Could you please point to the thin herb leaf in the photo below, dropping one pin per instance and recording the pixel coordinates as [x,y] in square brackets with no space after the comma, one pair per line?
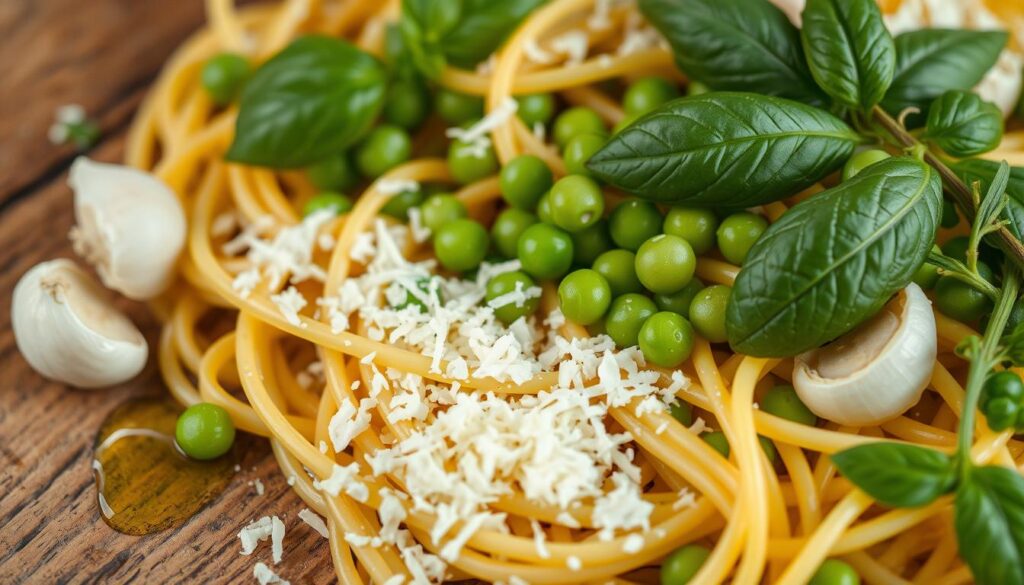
[990,206]
[902,476]
[989,519]
[984,171]
[962,124]
[850,52]
[1014,344]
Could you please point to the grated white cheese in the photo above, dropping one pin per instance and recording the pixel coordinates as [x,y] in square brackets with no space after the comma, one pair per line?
[344,478]
[687,499]
[276,539]
[476,135]
[253,533]
[633,544]
[265,576]
[259,486]
[540,540]
[395,580]
[290,302]
[574,44]
[574,563]
[349,422]
[314,521]
[396,186]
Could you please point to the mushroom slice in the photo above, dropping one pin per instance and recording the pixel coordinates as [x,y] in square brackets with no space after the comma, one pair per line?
[875,372]
[69,330]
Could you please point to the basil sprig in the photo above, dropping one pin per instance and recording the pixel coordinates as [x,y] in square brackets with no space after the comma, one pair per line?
[984,172]
[725,148]
[835,259]
[461,32]
[962,124]
[989,520]
[313,99]
[735,45]
[849,50]
[898,475]
[930,62]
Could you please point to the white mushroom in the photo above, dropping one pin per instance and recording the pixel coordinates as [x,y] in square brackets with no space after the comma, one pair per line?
[875,372]
[130,227]
[68,329]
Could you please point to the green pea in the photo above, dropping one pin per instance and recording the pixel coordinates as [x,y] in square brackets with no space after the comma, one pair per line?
[718,442]
[468,163]
[575,121]
[679,302]
[524,180]
[204,431]
[458,108]
[682,412]
[782,401]
[584,296]
[647,94]
[961,301]
[618,267]
[411,300]
[696,226]
[624,123]
[508,226]
[461,245]
[738,233]
[707,312]
[508,282]
[666,339]
[634,222]
[223,76]
[407,104]
[665,264]
[577,202]
[697,88]
[544,209]
[680,566]
[383,149]
[626,316]
[441,209]
[861,161]
[578,151]
[1005,384]
[545,251]
[399,205]
[536,108]
[589,243]
[336,202]
[835,572]
[1001,413]
[950,219]
[334,174]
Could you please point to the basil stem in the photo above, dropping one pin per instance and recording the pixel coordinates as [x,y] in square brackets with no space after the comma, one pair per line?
[983,362]
[957,189]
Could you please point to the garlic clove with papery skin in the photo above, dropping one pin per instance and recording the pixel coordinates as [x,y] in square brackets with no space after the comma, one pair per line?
[67,328]
[875,372]
[130,227]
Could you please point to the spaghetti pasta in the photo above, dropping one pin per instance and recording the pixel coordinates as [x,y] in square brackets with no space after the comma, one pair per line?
[763,520]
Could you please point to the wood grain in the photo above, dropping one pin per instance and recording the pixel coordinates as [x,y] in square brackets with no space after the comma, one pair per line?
[101,54]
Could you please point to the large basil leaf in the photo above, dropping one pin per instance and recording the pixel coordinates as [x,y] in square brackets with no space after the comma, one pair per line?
[984,171]
[931,61]
[989,519]
[463,32]
[834,260]
[851,53]
[736,45]
[901,476]
[963,124]
[725,149]
[313,99]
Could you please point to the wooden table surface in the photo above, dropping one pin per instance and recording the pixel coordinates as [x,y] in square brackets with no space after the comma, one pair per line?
[102,54]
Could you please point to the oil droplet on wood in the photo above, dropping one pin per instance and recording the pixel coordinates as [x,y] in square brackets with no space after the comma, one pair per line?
[144,483]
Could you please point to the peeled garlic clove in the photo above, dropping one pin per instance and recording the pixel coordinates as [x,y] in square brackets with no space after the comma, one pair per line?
[130,227]
[875,372]
[68,329]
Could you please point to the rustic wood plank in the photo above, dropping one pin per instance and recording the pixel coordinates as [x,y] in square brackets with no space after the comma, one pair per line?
[102,54]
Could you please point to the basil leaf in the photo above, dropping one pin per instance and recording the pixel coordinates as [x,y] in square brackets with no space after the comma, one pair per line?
[901,476]
[725,149]
[735,45]
[834,260]
[849,50]
[963,124]
[932,61]
[313,99]
[984,171]
[435,18]
[989,519]
[484,26]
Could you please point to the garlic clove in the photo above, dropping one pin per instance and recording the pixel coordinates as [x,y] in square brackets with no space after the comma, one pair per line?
[130,227]
[875,372]
[68,329]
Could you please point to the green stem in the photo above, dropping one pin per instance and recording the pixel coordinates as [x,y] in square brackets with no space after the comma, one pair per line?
[982,363]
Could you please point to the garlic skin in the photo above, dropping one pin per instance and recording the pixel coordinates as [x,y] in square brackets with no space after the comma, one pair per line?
[875,372]
[68,329]
[130,227]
